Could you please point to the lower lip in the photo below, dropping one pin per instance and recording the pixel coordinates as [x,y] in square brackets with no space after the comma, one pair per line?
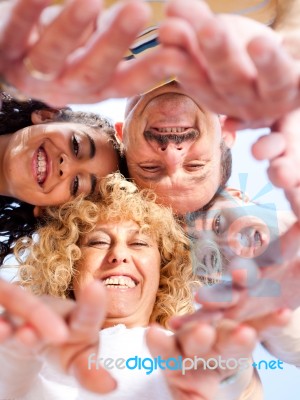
[119,288]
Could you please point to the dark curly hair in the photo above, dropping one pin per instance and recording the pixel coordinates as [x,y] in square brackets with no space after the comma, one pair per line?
[16,217]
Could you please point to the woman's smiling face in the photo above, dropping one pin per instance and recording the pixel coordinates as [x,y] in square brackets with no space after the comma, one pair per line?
[46,164]
[128,262]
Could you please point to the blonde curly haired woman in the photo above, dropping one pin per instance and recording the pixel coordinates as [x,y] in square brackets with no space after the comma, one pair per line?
[142,256]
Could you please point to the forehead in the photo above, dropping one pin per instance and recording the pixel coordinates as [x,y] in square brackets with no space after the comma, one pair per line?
[117,225]
[65,128]
[125,228]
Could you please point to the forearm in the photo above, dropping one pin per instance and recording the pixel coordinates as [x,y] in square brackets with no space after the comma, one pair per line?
[284,343]
[17,372]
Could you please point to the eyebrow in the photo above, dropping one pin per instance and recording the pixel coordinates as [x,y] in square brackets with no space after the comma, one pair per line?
[150,178]
[93,183]
[92,145]
[196,215]
[191,180]
[106,231]
[199,178]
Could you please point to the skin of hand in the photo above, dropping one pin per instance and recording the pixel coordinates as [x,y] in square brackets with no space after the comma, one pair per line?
[281,149]
[256,82]
[79,334]
[228,340]
[28,310]
[259,287]
[81,72]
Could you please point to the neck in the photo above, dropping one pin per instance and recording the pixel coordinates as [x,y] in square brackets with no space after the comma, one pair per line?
[127,321]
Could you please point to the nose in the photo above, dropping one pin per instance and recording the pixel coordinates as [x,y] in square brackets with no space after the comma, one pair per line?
[68,166]
[118,255]
[180,147]
[173,153]
[241,244]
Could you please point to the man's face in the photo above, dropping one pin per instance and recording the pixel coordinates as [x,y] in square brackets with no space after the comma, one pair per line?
[173,145]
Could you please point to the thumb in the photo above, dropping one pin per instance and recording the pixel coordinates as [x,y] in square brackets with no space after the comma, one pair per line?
[85,323]
[160,343]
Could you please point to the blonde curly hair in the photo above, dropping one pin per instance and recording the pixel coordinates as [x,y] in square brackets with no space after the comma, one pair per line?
[49,261]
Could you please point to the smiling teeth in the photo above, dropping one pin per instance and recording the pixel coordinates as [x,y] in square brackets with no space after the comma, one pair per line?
[119,281]
[171,130]
[41,165]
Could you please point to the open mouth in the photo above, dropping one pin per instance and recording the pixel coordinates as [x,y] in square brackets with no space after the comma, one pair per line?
[120,282]
[257,239]
[173,129]
[41,165]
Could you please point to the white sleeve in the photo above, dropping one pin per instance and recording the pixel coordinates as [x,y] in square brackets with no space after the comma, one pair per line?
[17,372]
[284,343]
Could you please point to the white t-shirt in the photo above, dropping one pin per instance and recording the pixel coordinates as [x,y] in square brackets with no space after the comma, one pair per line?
[115,343]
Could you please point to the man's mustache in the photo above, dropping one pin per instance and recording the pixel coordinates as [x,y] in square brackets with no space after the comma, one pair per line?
[165,139]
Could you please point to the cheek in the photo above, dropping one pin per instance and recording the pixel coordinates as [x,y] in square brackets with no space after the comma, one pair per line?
[109,162]
[149,263]
[87,270]
[153,268]
[57,196]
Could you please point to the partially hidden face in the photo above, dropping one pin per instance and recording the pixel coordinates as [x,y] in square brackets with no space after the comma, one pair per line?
[238,226]
[128,262]
[47,164]
[173,145]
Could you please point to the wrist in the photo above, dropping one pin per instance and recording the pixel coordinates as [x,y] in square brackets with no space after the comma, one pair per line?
[233,386]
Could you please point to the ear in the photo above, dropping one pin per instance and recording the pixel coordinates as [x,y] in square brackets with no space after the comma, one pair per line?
[119,130]
[237,194]
[43,116]
[229,136]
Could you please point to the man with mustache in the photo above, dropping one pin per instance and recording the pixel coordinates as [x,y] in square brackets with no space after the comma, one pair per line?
[176,146]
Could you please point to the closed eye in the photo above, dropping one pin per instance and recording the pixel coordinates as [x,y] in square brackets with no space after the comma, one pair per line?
[150,168]
[139,244]
[193,167]
[75,145]
[97,243]
[75,186]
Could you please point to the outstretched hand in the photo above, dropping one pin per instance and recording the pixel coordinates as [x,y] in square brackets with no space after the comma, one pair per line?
[28,311]
[238,67]
[61,331]
[281,148]
[77,59]
[199,340]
